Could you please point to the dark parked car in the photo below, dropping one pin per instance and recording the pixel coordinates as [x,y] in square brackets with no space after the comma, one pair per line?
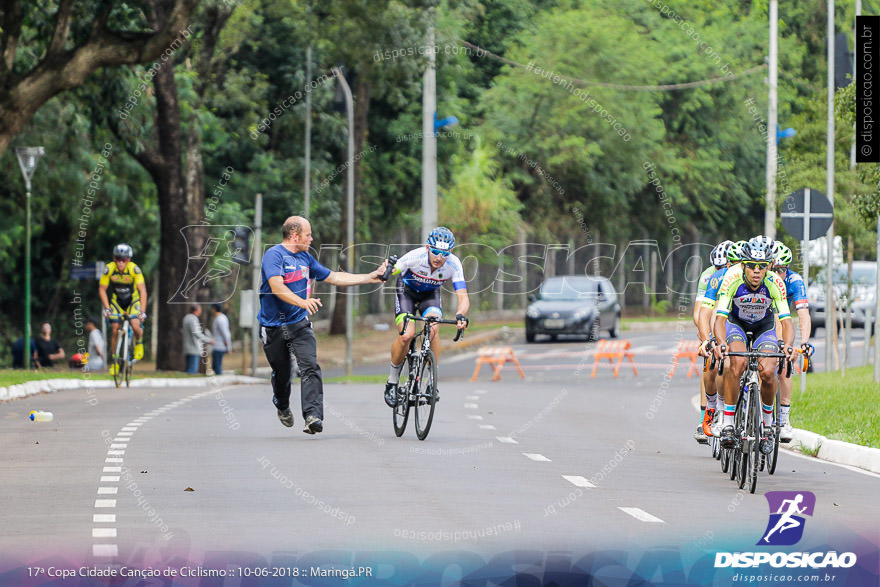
[573,304]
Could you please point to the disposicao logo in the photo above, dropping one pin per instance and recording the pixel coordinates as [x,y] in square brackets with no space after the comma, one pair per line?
[786,524]
[785,528]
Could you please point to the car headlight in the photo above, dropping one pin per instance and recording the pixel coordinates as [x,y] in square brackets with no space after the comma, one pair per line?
[533,312]
[582,314]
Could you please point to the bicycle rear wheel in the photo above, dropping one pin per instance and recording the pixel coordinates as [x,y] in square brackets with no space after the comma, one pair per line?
[426,396]
[401,410]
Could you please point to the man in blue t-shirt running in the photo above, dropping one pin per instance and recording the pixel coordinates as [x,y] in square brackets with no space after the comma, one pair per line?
[285,307]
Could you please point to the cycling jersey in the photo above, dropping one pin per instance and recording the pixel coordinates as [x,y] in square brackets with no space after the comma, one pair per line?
[122,290]
[296,269]
[711,294]
[703,283]
[795,290]
[737,300]
[419,276]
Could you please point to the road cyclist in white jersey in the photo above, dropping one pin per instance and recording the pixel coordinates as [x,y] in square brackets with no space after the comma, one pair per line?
[718,258]
[422,272]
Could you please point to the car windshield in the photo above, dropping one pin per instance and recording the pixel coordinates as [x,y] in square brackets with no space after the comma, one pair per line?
[569,288]
[861,275]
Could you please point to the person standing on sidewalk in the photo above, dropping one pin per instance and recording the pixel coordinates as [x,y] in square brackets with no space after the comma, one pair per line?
[194,338]
[285,328]
[222,339]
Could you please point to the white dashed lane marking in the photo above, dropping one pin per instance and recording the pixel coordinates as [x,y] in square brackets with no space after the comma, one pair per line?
[641,515]
[536,457]
[578,481]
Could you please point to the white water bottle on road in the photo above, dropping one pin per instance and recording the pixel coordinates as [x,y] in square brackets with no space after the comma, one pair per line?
[41,416]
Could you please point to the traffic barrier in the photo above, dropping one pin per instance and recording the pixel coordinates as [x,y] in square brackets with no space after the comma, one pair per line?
[613,350]
[688,349]
[496,357]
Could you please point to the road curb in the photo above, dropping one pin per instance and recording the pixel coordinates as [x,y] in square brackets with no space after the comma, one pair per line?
[837,451]
[51,385]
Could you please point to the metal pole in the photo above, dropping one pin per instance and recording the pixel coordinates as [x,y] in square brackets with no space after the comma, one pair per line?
[307,188]
[349,229]
[770,210]
[429,141]
[805,260]
[829,190]
[255,283]
[27,281]
[877,312]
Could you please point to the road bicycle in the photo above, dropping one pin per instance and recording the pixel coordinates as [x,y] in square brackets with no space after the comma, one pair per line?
[124,357]
[419,390]
[756,445]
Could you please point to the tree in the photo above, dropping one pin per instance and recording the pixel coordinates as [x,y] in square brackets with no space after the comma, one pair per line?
[82,40]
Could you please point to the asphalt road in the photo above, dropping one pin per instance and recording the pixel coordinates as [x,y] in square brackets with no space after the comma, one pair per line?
[555,462]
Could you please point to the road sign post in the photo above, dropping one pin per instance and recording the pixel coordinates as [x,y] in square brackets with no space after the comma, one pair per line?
[806,215]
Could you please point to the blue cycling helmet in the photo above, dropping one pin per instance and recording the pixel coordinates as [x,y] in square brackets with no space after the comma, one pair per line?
[441,238]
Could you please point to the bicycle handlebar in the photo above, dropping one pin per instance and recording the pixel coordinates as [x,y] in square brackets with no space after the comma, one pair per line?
[758,355]
[433,320]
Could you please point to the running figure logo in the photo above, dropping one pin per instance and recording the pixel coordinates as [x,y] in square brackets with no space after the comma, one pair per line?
[786,525]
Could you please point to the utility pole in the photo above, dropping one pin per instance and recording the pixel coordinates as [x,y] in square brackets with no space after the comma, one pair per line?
[770,210]
[307,188]
[349,229]
[429,140]
[255,284]
[28,157]
[829,191]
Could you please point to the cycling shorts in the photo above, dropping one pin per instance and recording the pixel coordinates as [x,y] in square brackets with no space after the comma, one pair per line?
[763,333]
[408,301]
[120,307]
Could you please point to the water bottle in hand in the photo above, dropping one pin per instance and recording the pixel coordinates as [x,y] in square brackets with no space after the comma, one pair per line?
[392,261]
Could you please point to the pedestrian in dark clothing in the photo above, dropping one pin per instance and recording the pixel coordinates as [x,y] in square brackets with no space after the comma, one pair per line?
[285,307]
[48,349]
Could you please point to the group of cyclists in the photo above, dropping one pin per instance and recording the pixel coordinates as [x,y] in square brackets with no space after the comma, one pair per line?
[747,291]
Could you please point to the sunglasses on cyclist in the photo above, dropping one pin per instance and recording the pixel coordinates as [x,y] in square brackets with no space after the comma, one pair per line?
[439,253]
[756,266]
[121,258]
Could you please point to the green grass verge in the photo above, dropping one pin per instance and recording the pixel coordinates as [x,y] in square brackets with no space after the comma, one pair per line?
[15,376]
[839,408]
[377,379]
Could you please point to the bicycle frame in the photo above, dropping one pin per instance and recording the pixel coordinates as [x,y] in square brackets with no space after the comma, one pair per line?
[420,388]
[749,422]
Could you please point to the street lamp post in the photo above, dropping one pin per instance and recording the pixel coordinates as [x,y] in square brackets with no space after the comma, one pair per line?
[28,157]
[349,188]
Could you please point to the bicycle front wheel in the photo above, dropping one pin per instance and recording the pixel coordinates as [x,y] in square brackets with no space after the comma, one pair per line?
[755,432]
[401,410]
[426,396]
[773,457]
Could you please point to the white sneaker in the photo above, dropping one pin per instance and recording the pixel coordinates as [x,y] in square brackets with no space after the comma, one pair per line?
[786,432]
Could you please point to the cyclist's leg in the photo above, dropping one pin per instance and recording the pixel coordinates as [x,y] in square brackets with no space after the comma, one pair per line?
[403,305]
[135,309]
[766,342]
[736,342]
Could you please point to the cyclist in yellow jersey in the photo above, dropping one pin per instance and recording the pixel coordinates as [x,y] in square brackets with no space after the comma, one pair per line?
[123,291]
[747,299]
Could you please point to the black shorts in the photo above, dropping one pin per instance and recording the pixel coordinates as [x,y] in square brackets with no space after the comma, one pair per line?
[408,301]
